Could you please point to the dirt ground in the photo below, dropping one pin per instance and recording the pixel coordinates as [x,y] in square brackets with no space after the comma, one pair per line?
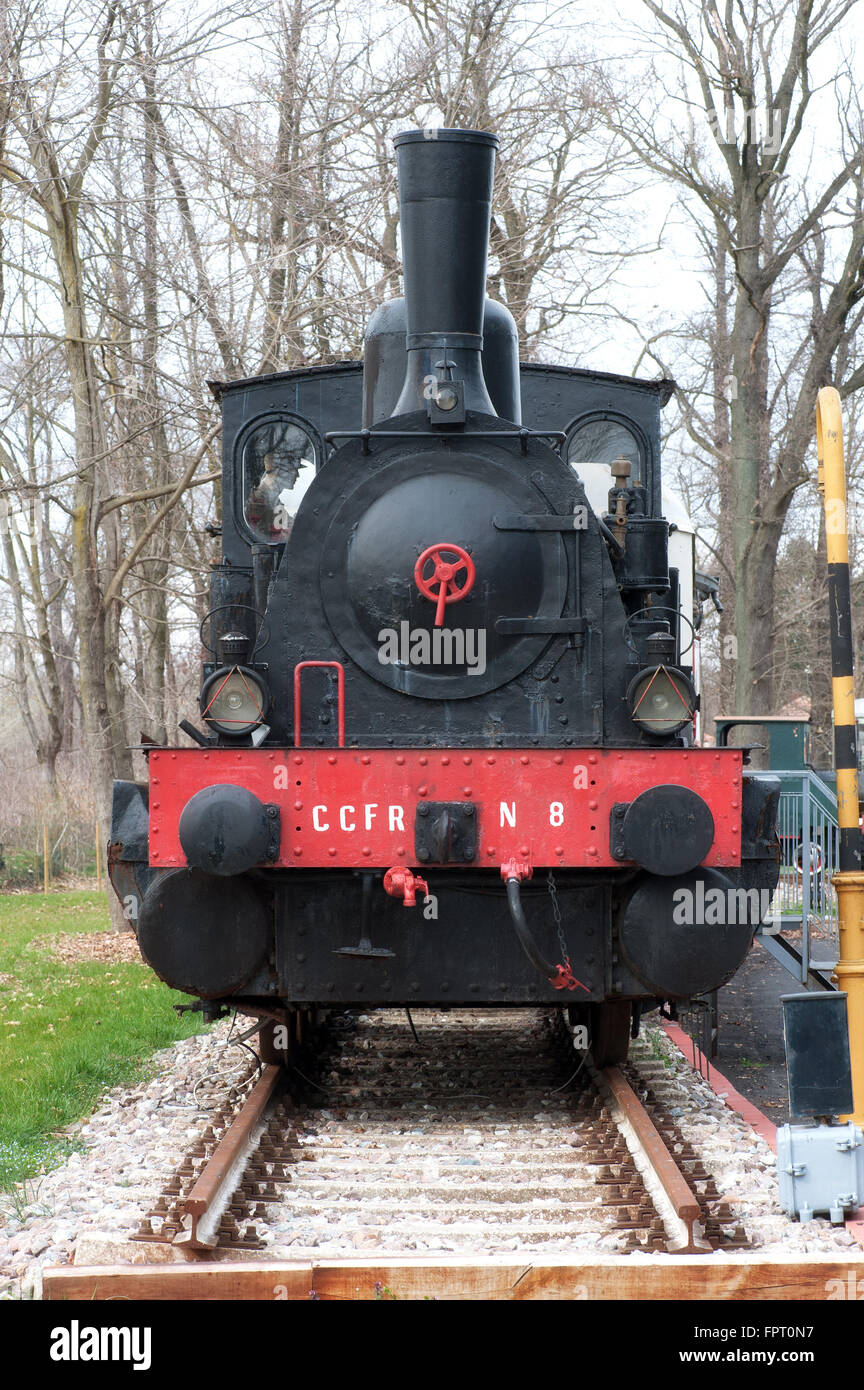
[752,1055]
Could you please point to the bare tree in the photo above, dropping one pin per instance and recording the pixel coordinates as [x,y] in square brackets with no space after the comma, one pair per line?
[503,66]
[783,233]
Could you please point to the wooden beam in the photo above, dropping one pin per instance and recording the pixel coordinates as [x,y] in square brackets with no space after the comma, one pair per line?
[661,1277]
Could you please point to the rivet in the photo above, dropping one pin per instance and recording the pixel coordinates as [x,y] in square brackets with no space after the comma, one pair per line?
[559,758]
[400,760]
[559,849]
[298,805]
[592,805]
[524,849]
[366,760]
[592,849]
[155,780]
[331,759]
[467,762]
[155,805]
[490,761]
[423,761]
[174,757]
[491,849]
[331,851]
[466,791]
[299,760]
[367,851]
[592,757]
[154,830]
[421,791]
[523,759]
[401,853]
[298,850]
[445,762]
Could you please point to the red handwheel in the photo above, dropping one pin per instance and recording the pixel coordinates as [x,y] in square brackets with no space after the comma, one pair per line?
[444,573]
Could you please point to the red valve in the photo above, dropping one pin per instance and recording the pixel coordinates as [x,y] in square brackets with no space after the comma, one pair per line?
[402,883]
[516,868]
[444,572]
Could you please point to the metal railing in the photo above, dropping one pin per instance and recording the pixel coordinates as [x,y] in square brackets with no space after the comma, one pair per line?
[809,840]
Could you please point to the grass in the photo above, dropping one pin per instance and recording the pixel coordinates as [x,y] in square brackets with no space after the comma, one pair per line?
[68,1031]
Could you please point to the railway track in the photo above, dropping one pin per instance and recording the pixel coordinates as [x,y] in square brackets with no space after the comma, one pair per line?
[472,1131]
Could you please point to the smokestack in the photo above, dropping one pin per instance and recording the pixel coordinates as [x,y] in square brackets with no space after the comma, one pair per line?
[445,200]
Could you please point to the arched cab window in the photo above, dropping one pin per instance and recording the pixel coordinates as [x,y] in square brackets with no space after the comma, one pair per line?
[604,439]
[278,461]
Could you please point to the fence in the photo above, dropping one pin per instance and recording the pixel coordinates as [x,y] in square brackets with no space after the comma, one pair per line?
[70,849]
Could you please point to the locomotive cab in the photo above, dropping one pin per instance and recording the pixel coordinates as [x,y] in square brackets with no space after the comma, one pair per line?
[445,749]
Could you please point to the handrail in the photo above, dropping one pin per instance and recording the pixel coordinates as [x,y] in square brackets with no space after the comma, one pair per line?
[340,687]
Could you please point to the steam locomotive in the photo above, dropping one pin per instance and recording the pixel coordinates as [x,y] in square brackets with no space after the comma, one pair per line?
[445,752]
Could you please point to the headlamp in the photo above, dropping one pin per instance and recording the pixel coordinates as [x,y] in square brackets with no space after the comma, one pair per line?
[234,700]
[661,700]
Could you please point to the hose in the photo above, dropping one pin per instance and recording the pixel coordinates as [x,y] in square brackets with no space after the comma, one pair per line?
[523,931]
[561,976]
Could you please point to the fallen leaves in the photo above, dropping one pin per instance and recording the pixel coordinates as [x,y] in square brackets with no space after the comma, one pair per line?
[98,946]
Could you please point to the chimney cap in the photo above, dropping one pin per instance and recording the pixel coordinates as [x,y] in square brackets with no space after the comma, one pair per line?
[440,133]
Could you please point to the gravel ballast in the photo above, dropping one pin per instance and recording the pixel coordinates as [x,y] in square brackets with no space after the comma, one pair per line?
[130,1146]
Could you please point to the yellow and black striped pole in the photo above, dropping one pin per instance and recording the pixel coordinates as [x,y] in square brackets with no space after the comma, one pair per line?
[849,880]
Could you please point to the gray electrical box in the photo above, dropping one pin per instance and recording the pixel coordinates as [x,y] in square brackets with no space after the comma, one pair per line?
[818,1070]
[821,1169]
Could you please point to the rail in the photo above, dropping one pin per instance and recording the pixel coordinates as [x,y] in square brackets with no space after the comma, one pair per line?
[257,1157]
[206,1202]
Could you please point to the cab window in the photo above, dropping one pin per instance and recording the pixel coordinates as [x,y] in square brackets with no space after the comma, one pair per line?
[604,441]
[278,464]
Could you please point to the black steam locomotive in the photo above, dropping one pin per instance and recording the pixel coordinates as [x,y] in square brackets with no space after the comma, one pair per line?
[446,750]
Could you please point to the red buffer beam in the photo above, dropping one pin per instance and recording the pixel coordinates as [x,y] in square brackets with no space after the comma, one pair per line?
[357,807]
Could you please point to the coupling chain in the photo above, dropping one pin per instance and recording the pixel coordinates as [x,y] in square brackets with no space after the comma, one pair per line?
[556,913]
